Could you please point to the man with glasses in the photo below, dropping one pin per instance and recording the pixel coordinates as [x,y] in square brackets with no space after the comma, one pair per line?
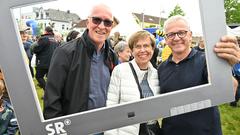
[185,68]
[80,70]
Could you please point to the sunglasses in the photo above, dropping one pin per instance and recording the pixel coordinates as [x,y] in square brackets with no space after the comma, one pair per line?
[98,20]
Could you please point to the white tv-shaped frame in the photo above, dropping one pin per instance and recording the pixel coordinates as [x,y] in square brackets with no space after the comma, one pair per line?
[24,98]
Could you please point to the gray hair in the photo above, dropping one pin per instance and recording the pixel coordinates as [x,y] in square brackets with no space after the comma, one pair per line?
[101,6]
[120,47]
[174,19]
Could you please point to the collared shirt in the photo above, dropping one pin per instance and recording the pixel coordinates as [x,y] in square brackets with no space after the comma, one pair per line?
[189,72]
[99,81]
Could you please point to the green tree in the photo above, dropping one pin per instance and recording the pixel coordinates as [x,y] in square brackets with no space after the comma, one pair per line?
[232,11]
[177,11]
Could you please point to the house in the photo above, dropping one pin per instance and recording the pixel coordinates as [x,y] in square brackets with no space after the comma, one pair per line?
[233,29]
[149,20]
[81,25]
[61,21]
[127,25]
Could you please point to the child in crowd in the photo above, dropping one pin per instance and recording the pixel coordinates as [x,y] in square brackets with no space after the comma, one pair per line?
[8,122]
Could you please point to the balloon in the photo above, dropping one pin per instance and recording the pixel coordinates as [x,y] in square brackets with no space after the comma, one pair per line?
[33,24]
[160,33]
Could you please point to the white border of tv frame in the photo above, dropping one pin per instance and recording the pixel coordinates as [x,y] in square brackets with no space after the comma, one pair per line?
[24,98]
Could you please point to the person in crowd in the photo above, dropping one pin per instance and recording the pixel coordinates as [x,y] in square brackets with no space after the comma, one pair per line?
[80,70]
[44,49]
[2,86]
[156,39]
[175,74]
[72,35]
[236,74]
[154,59]
[123,87]
[200,46]
[116,38]
[123,51]
[8,122]
[166,52]
[27,47]
[58,37]
[156,53]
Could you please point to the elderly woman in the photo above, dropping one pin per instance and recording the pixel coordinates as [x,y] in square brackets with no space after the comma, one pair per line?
[123,87]
[123,51]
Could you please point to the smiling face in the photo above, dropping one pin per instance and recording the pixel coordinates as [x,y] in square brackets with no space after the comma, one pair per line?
[178,36]
[99,32]
[142,52]
[142,44]
[182,37]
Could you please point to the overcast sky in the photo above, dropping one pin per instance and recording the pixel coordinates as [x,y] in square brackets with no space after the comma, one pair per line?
[123,9]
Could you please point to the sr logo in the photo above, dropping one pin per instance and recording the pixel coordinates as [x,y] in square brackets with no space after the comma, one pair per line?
[57,128]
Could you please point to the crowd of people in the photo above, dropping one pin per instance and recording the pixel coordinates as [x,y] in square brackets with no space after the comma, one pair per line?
[91,70]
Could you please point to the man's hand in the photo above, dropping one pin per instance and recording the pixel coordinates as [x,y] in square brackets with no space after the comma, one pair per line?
[228,49]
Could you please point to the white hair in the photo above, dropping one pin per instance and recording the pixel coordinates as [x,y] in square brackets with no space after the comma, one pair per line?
[120,47]
[174,19]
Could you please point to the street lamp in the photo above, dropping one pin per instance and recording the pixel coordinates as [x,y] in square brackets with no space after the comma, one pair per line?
[143,20]
[161,12]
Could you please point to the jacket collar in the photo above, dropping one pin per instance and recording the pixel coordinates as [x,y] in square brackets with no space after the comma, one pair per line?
[138,70]
[190,55]
[91,47]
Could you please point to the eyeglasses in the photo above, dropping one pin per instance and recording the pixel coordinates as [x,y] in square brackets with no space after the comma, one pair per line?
[180,34]
[98,20]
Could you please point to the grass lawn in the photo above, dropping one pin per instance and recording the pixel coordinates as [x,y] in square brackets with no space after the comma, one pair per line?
[39,92]
[230,116]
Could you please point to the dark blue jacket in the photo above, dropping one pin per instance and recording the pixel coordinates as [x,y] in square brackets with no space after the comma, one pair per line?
[27,48]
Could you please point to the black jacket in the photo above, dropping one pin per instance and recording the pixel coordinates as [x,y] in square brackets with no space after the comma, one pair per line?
[67,88]
[44,50]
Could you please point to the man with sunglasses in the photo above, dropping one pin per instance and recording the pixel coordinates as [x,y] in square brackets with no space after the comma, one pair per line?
[80,70]
[185,68]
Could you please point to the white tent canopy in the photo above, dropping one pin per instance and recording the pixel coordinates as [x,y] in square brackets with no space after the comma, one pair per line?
[234,31]
[127,24]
